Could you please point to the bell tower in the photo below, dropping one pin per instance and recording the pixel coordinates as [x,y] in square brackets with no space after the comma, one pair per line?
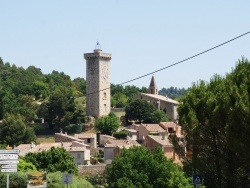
[97,82]
[153,89]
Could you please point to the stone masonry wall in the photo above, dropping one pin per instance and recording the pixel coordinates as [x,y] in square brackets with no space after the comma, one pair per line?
[60,137]
[91,170]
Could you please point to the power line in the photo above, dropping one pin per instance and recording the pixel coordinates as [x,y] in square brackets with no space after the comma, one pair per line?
[179,62]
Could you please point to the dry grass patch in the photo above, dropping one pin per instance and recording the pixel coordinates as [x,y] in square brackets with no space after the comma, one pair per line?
[45,139]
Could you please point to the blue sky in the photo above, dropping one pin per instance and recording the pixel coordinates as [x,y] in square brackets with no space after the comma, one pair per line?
[142,35]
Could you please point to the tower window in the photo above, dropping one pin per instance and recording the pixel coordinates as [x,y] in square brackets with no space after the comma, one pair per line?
[105,107]
[104,95]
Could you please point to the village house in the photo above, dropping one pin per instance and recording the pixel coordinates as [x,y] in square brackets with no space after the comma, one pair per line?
[152,141]
[88,138]
[113,148]
[149,129]
[79,151]
[172,128]
[132,134]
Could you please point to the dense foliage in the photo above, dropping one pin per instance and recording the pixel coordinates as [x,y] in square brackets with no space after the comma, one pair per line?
[215,117]
[16,180]
[24,166]
[14,131]
[140,110]
[35,95]
[173,92]
[138,167]
[54,180]
[120,95]
[107,124]
[52,160]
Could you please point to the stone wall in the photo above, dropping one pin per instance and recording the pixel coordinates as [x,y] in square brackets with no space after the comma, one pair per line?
[97,79]
[91,170]
[60,137]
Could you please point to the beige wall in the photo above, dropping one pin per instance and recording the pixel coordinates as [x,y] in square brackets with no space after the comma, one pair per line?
[108,154]
[142,132]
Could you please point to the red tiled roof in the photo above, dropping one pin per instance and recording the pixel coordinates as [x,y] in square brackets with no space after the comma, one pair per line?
[153,128]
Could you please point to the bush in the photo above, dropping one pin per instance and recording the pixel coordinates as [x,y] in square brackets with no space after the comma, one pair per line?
[121,135]
[73,128]
[54,180]
[17,180]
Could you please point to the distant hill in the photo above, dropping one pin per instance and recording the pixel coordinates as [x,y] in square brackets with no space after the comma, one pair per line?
[172,92]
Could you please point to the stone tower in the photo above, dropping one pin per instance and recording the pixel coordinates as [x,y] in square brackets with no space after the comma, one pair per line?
[153,89]
[97,83]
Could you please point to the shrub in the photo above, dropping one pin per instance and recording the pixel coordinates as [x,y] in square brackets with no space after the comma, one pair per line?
[120,135]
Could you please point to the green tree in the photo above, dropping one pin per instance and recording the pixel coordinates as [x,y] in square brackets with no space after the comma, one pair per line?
[107,124]
[15,132]
[157,116]
[119,100]
[61,107]
[214,117]
[80,84]
[138,167]
[24,166]
[40,89]
[52,160]
[138,110]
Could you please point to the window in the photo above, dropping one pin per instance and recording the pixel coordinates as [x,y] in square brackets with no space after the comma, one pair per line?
[105,108]
[78,155]
[104,95]
[88,140]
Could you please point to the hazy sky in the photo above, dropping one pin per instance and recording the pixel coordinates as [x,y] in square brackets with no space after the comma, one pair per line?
[142,35]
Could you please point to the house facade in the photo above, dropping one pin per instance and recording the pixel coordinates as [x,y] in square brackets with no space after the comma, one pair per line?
[79,151]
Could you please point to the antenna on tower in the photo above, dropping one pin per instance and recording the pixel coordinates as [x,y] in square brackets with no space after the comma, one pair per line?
[98,46]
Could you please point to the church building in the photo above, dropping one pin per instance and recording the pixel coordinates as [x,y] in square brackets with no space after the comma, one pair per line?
[160,102]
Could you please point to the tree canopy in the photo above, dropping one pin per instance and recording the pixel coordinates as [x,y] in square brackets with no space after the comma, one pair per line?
[138,167]
[138,110]
[107,124]
[215,117]
[52,160]
[14,131]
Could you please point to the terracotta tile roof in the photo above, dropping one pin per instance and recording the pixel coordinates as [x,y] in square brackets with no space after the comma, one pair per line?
[160,97]
[166,125]
[153,128]
[85,135]
[25,148]
[159,140]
